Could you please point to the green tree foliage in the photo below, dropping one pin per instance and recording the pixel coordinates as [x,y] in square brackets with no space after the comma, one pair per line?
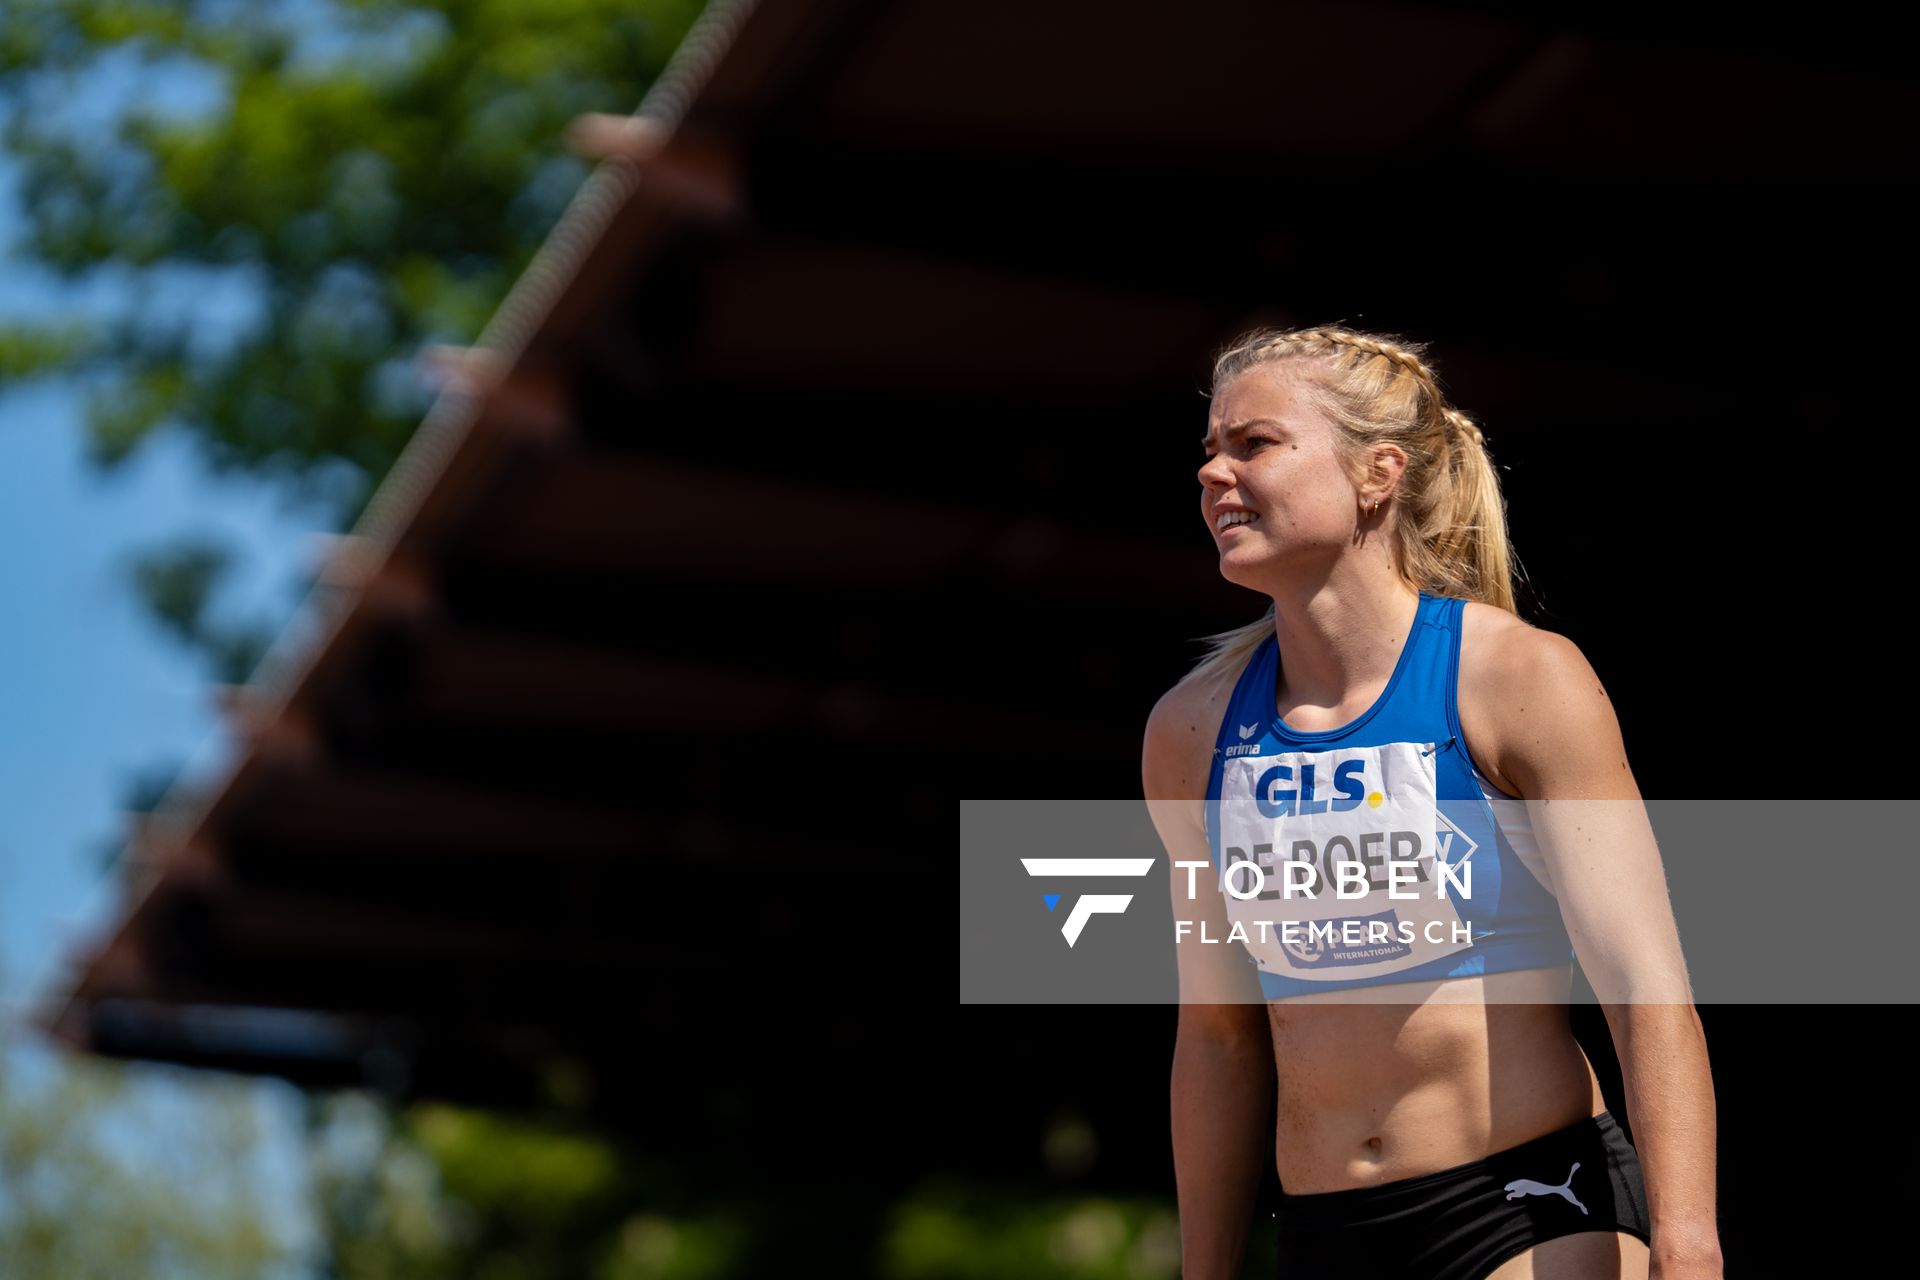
[98,1181]
[96,1186]
[950,1230]
[437,1192]
[432,1191]
[381,170]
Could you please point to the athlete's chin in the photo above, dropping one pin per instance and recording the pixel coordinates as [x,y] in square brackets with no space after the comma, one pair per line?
[1237,565]
[1265,575]
[1250,580]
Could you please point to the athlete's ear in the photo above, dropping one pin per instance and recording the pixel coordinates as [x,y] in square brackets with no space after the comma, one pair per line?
[1385,463]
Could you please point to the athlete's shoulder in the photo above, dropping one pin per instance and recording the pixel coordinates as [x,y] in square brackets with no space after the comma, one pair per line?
[1527,696]
[1181,731]
[1500,650]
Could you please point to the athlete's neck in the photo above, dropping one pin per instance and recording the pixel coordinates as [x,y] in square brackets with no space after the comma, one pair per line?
[1335,641]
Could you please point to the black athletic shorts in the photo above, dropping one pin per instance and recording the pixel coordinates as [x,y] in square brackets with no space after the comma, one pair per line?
[1460,1223]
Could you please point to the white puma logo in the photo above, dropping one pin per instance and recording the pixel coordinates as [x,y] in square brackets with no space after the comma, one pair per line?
[1528,1187]
[1248,730]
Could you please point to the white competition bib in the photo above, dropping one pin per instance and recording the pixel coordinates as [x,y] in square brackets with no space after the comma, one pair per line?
[1299,816]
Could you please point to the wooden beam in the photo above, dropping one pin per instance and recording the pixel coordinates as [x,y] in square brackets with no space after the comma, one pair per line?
[698,170]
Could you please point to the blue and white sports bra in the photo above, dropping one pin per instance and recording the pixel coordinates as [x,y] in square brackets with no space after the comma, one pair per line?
[1394,796]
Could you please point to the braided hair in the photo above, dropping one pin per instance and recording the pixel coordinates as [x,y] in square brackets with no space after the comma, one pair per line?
[1446,520]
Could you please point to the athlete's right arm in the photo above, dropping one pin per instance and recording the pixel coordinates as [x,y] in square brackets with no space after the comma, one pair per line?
[1223,1070]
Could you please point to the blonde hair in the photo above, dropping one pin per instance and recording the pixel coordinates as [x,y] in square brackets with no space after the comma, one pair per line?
[1446,522]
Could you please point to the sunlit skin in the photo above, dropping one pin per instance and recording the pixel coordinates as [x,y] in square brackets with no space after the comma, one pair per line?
[1428,1075]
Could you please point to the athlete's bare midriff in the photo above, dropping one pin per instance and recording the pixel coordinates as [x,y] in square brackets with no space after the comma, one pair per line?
[1374,1092]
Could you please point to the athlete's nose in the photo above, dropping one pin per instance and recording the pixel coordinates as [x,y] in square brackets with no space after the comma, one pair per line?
[1215,472]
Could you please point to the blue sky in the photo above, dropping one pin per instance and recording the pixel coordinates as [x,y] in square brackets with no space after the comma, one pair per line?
[93,693]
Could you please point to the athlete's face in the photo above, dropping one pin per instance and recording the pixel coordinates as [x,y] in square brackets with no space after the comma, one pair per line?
[1270,457]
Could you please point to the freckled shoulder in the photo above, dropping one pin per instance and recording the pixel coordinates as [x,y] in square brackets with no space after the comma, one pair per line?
[1180,736]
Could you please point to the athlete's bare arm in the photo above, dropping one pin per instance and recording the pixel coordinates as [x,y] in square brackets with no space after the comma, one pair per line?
[1223,1069]
[1542,723]
[1550,728]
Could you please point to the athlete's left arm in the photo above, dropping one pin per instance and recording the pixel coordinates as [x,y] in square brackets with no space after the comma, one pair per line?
[1561,745]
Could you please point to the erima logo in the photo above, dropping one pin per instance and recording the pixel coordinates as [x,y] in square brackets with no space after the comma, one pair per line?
[1248,730]
[1088,905]
[1528,1187]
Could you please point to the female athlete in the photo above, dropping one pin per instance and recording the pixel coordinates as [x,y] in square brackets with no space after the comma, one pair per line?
[1437,806]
